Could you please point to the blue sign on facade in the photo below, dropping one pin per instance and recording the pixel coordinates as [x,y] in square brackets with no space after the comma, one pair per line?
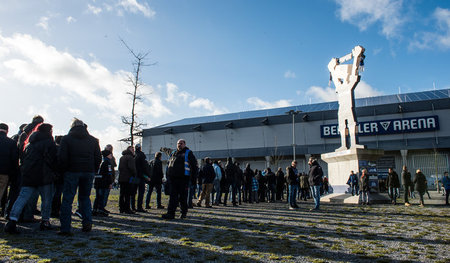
[382,127]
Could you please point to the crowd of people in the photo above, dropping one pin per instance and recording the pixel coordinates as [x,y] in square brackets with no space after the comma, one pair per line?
[33,163]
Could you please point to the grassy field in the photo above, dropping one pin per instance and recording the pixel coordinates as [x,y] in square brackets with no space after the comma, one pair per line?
[249,233]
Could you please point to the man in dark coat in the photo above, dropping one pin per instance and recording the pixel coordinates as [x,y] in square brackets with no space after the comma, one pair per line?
[39,167]
[127,171]
[229,180]
[79,157]
[406,181]
[353,183]
[182,164]
[420,182]
[365,189]
[292,179]
[248,177]
[393,185]
[280,183]
[315,181]
[156,177]
[237,184]
[208,175]
[9,162]
[142,174]
[272,185]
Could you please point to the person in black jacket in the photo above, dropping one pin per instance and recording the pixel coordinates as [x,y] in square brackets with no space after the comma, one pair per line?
[315,181]
[22,141]
[102,184]
[229,176]
[393,185]
[248,177]
[156,178]
[208,176]
[39,167]
[142,174]
[237,184]
[9,162]
[79,158]
[182,164]
[272,185]
[292,179]
[127,171]
[280,183]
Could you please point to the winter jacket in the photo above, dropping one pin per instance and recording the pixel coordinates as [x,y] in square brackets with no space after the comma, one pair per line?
[352,180]
[304,184]
[141,164]
[157,174]
[230,173]
[127,167]
[364,183]
[420,182]
[248,176]
[79,152]
[208,174]
[255,184]
[280,179]
[39,163]
[239,177]
[176,168]
[406,178]
[9,162]
[315,174]
[292,175]
[271,179]
[446,182]
[392,180]
[105,175]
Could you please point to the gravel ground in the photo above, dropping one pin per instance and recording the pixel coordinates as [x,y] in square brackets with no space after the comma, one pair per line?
[264,232]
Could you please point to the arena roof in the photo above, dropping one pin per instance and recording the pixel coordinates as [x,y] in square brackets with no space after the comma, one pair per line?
[325,106]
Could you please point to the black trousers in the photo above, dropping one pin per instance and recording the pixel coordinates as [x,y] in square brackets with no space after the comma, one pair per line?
[178,195]
[124,197]
[152,185]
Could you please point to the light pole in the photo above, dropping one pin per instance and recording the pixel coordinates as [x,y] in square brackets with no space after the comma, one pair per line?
[293,113]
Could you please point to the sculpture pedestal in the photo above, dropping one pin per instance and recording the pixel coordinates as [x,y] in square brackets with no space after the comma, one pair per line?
[341,162]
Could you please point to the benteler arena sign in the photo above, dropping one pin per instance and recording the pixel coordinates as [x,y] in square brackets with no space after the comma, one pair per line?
[383,127]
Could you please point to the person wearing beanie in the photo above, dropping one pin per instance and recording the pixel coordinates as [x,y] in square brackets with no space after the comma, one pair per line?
[39,166]
[8,160]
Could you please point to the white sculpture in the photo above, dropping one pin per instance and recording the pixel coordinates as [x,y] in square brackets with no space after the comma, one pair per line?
[345,78]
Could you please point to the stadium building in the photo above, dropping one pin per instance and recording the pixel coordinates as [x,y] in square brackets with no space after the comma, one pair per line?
[412,128]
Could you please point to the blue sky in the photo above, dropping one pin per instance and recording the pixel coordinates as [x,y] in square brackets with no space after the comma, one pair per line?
[63,59]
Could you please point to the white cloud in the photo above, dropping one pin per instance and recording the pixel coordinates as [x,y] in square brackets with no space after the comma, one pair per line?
[70,19]
[43,23]
[75,111]
[319,94]
[94,9]
[439,38]
[260,104]
[174,95]
[363,14]
[289,75]
[206,104]
[135,7]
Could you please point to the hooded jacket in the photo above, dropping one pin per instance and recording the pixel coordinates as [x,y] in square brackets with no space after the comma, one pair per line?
[79,152]
[127,167]
[420,182]
[39,162]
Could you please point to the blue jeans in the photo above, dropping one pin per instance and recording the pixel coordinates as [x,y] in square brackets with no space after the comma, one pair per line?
[315,191]
[217,189]
[26,192]
[72,181]
[292,198]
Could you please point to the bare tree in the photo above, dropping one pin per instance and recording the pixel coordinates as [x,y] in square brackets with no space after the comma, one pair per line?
[135,80]
[276,156]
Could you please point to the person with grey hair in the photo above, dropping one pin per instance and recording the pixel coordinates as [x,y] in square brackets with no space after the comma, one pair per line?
[79,158]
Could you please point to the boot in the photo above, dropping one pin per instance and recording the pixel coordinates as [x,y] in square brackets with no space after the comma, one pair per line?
[11,227]
[45,225]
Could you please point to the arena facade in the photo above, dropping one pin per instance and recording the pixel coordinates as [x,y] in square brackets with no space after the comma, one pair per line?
[412,129]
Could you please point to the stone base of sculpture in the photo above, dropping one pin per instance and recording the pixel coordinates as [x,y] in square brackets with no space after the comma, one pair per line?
[341,162]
